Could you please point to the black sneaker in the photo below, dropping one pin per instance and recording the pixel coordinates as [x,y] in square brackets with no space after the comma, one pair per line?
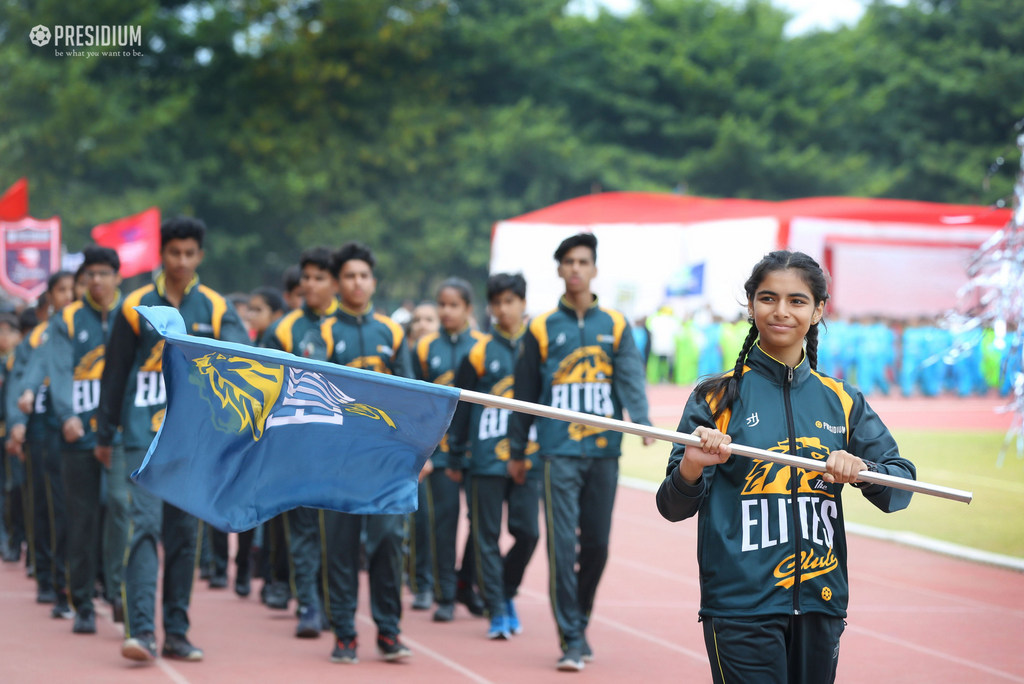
[344,651]
[61,610]
[465,595]
[277,595]
[571,660]
[586,652]
[218,581]
[85,622]
[242,586]
[141,648]
[391,647]
[423,600]
[445,612]
[177,647]
[309,623]
[46,595]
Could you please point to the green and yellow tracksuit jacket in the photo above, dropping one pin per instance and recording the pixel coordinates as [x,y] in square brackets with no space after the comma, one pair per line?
[771,538]
[132,391]
[368,340]
[299,332]
[588,364]
[75,360]
[478,436]
[438,356]
[26,369]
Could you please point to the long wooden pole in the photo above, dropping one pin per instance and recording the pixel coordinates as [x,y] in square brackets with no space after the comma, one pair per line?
[690,440]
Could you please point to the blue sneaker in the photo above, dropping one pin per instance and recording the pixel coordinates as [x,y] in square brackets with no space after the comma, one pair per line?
[513,618]
[499,628]
[310,623]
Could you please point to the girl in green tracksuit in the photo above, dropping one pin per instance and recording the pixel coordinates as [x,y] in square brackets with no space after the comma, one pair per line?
[771,544]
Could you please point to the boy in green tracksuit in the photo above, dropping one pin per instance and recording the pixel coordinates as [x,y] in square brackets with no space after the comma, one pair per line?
[580,357]
[34,435]
[74,359]
[299,332]
[133,396]
[358,336]
[478,444]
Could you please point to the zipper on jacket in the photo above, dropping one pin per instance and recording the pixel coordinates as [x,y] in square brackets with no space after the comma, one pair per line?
[583,343]
[794,486]
[362,343]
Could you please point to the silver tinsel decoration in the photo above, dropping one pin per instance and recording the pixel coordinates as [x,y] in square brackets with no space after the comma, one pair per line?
[993,299]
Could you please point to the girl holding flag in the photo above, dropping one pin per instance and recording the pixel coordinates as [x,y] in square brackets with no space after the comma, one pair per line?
[771,543]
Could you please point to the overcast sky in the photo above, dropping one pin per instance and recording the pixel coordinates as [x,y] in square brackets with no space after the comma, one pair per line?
[808,15]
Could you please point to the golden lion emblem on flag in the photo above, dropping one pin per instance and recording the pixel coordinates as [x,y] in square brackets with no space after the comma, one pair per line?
[249,387]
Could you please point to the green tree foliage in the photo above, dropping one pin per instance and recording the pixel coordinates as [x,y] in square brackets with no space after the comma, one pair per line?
[414,125]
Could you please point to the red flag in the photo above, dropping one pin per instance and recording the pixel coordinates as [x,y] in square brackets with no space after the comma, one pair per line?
[136,239]
[29,255]
[14,202]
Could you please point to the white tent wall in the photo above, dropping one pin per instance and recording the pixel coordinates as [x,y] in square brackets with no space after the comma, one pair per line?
[637,262]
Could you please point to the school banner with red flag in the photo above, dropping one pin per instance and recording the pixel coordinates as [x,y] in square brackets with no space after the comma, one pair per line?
[136,239]
[14,202]
[29,255]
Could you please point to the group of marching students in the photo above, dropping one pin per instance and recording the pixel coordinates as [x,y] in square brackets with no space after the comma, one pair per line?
[84,396]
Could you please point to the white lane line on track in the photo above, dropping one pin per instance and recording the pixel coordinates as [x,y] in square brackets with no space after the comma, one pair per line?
[421,648]
[934,653]
[640,634]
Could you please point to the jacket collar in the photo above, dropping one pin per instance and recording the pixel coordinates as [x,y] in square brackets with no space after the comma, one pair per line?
[509,340]
[161,284]
[775,370]
[351,315]
[93,304]
[331,309]
[565,306]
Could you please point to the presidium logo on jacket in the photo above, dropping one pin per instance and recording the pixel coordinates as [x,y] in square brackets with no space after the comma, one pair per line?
[583,382]
[251,390]
[767,504]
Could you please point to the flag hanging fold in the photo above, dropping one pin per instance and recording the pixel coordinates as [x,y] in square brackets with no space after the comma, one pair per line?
[136,240]
[14,202]
[251,432]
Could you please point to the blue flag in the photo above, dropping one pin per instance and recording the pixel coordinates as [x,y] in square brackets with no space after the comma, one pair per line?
[251,432]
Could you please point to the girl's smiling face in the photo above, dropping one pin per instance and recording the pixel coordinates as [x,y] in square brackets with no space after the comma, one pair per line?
[783,308]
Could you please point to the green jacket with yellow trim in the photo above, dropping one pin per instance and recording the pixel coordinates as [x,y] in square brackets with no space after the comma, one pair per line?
[299,332]
[588,364]
[74,359]
[27,370]
[132,392]
[438,356]
[754,518]
[478,435]
[367,340]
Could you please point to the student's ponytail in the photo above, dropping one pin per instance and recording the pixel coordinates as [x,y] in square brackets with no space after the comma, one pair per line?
[812,346]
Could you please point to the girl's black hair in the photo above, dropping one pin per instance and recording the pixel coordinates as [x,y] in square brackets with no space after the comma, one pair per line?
[464,289]
[271,295]
[51,282]
[722,390]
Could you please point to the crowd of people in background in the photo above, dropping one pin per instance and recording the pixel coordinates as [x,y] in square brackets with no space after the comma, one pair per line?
[914,357]
[86,532]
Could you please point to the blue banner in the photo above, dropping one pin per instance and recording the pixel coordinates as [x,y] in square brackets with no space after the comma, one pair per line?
[251,432]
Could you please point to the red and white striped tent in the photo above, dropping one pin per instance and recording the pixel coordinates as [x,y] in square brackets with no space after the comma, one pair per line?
[889,257]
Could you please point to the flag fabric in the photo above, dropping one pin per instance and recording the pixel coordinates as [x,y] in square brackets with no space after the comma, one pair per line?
[136,240]
[687,281]
[14,202]
[249,432]
[29,255]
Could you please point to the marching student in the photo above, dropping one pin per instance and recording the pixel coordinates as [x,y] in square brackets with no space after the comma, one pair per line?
[74,360]
[360,337]
[133,396]
[34,435]
[579,356]
[767,617]
[478,444]
[299,333]
[435,522]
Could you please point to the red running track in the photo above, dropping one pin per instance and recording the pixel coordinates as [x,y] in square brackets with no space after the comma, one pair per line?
[915,616]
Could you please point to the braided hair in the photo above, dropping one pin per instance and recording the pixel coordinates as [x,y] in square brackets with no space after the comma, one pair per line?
[722,390]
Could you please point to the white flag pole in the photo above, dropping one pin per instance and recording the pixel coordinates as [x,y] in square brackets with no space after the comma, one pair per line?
[690,440]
